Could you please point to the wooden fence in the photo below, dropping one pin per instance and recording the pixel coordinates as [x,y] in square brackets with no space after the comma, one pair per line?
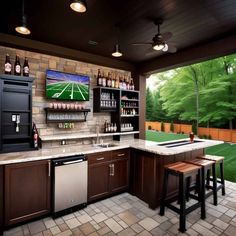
[226,135]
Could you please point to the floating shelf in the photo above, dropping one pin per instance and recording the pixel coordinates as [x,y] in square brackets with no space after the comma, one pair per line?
[66,118]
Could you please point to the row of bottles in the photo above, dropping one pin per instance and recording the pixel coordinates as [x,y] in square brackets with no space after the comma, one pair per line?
[113,80]
[17,66]
[126,127]
[108,100]
[128,111]
[128,104]
[110,127]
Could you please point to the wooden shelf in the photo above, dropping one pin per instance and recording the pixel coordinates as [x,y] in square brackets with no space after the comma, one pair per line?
[130,100]
[66,110]
[129,115]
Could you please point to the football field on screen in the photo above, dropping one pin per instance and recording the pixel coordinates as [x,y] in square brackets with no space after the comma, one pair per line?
[68,91]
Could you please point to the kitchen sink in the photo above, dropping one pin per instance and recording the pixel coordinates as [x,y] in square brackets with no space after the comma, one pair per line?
[105,145]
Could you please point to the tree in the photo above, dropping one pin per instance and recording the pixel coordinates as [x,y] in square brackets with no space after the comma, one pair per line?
[149,105]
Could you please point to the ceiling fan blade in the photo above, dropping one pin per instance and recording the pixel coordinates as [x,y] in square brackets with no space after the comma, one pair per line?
[167,35]
[141,44]
[172,48]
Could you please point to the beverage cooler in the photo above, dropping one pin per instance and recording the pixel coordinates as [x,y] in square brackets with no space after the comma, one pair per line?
[16,113]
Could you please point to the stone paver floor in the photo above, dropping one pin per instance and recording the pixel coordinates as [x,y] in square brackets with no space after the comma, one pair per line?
[126,215]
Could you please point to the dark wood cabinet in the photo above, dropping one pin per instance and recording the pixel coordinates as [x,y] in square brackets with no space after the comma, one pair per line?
[1,200]
[27,191]
[147,174]
[108,173]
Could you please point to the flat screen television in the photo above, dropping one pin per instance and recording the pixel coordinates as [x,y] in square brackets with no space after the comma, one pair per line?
[66,86]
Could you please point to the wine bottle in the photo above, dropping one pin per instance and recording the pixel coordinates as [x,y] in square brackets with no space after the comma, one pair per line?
[104,81]
[99,78]
[17,67]
[26,68]
[35,136]
[7,69]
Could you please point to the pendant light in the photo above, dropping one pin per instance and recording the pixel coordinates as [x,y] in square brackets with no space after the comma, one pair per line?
[78,5]
[22,28]
[116,51]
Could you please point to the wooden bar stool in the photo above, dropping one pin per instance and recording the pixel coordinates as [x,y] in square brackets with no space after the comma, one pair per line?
[205,166]
[183,171]
[218,160]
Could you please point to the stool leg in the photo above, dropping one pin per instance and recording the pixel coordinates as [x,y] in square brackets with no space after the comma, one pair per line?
[182,221]
[203,208]
[164,191]
[188,183]
[214,184]
[208,178]
[222,177]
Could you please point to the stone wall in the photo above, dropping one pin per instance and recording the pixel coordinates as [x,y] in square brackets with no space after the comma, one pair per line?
[39,63]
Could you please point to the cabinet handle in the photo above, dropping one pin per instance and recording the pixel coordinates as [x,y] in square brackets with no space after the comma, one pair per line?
[112,169]
[49,168]
[121,155]
[100,159]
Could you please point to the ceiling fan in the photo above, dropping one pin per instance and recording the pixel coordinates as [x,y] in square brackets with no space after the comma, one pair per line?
[160,41]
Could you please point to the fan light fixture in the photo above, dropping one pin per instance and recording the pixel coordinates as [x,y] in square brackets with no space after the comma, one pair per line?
[158,47]
[22,28]
[78,5]
[116,51]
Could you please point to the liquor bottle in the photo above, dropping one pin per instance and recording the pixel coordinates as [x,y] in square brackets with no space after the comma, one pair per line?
[117,82]
[131,84]
[17,67]
[35,136]
[104,81]
[26,68]
[120,83]
[128,83]
[99,77]
[7,69]
[109,80]
[123,84]
[113,81]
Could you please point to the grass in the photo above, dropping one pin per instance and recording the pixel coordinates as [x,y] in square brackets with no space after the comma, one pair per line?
[226,149]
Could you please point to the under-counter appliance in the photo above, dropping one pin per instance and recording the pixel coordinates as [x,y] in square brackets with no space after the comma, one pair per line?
[70,175]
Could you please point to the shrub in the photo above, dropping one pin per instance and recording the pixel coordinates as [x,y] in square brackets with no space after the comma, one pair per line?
[194,128]
[204,136]
[172,126]
[209,136]
[200,136]
[162,126]
[149,127]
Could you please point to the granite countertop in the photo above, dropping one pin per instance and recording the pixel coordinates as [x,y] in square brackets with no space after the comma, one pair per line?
[70,150]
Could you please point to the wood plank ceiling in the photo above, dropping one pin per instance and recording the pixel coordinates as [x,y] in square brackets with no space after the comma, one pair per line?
[191,22]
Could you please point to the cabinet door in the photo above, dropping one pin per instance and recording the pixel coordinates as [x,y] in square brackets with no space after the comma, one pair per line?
[119,175]
[27,191]
[98,180]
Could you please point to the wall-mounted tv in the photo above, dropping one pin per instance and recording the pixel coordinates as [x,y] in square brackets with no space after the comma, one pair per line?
[66,86]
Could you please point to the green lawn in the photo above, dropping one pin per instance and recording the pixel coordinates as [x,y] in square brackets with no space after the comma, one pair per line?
[227,150]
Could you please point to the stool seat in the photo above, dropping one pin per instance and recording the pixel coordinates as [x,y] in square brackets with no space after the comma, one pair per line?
[182,167]
[201,162]
[212,158]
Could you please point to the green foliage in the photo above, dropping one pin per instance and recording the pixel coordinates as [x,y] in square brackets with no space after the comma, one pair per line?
[149,105]
[194,128]
[172,126]
[162,126]
[201,93]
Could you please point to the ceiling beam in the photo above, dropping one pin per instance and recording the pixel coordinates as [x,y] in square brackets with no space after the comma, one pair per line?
[189,56]
[50,49]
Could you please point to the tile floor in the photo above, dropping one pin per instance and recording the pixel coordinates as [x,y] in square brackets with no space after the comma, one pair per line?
[126,215]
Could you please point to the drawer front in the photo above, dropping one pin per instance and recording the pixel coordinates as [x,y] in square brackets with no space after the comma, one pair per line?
[99,157]
[119,154]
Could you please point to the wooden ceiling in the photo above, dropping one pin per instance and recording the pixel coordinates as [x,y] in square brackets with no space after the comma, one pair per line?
[192,23]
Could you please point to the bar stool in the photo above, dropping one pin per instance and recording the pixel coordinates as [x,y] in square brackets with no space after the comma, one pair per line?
[205,166]
[183,171]
[218,160]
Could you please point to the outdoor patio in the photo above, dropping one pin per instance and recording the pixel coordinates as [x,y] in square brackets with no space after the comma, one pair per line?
[126,215]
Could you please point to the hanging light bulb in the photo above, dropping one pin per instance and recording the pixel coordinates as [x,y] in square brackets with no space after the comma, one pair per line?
[116,51]
[22,28]
[165,49]
[78,5]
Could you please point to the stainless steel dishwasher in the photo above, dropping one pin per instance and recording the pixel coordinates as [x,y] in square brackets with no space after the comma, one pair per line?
[70,175]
